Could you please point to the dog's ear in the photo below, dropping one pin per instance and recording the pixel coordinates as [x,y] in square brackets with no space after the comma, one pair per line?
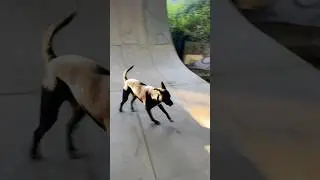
[163,86]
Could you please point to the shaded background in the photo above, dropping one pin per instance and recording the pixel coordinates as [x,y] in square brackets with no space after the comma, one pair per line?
[302,12]
[293,23]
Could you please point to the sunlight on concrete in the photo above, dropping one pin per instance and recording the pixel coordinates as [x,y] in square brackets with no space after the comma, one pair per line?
[197,104]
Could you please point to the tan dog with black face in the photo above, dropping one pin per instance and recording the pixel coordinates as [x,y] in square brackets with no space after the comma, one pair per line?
[148,95]
[75,79]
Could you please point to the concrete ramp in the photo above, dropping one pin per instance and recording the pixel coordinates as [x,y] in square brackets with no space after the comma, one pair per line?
[173,151]
[266,104]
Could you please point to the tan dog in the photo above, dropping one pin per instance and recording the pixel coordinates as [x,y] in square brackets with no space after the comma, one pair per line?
[148,95]
[76,79]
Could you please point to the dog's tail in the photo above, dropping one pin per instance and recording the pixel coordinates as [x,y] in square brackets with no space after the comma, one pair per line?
[126,72]
[49,34]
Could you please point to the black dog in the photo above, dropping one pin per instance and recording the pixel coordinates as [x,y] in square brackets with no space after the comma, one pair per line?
[148,95]
[76,79]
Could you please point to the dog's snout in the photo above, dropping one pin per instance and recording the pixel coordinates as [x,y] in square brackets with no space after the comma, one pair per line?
[170,103]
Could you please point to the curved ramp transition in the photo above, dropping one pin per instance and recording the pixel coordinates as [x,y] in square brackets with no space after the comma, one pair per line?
[140,36]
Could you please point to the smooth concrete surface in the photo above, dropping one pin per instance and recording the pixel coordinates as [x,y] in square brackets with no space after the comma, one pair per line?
[21,68]
[173,151]
[266,104]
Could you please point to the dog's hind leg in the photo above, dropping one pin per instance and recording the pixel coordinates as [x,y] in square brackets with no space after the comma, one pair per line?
[78,115]
[49,108]
[125,96]
[165,112]
[132,101]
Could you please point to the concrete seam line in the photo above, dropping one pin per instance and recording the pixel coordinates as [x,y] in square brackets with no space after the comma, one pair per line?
[147,148]
[15,93]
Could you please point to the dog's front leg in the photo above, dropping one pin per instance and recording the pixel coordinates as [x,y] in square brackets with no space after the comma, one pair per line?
[149,104]
[151,117]
[165,112]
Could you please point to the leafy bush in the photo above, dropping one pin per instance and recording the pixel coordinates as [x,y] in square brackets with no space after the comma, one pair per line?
[190,21]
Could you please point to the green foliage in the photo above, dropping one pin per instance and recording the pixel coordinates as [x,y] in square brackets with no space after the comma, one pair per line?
[190,20]
[176,24]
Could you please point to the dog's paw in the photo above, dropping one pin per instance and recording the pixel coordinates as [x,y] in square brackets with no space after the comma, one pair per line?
[171,120]
[156,122]
[120,110]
